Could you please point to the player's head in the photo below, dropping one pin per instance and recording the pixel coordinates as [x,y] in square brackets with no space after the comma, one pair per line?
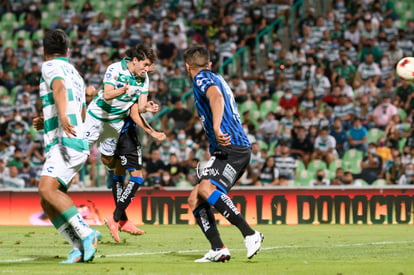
[56,43]
[196,58]
[142,58]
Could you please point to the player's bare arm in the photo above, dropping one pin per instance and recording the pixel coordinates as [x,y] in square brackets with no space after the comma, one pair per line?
[143,124]
[110,92]
[217,109]
[61,99]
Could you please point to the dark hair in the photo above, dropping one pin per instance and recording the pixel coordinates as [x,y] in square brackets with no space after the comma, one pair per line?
[56,42]
[197,57]
[141,52]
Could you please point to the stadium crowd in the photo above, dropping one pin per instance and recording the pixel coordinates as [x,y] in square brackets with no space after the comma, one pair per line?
[324,108]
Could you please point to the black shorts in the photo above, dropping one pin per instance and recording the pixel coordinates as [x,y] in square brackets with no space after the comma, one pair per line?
[226,166]
[129,150]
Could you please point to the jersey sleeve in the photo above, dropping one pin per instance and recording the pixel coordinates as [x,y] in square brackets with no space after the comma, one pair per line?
[110,76]
[203,81]
[51,72]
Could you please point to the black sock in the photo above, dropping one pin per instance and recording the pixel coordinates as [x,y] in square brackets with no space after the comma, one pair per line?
[124,200]
[205,219]
[226,207]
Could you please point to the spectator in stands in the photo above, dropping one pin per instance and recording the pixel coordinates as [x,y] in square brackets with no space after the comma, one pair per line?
[180,117]
[348,178]
[344,111]
[286,165]
[320,179]
[358,136]
[325,146]
[177,84]
[289,101]
[167,51]
[28,174]
[256,161]
[408,176]
[268,129]
[269,173]
[154,168]
[321,84]
[369,68]
[371,165]
[383,113]
[301,147]
[338,179]
[340,136]
[67,17]
[394,169]
[175,171]
[239,88]
[404,94]
[13,180]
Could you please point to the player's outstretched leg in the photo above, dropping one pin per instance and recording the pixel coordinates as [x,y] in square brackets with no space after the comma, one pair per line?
[206,221]
[226,207]
[122,204]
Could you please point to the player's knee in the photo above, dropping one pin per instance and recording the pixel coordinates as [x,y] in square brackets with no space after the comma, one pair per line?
[108,161]
[205,189]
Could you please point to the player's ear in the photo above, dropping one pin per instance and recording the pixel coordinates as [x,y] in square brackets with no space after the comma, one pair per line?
[68,52]
[209,65]
[187,67]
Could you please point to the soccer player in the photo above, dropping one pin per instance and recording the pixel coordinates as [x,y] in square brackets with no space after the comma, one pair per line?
[230,155]
[129,157]
[125,92]
[62,91]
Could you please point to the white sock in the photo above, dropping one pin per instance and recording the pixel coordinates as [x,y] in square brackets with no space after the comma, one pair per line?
[79,225]
[67,232]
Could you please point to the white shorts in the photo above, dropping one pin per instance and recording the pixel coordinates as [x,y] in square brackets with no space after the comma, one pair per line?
[56,167]
[104,134]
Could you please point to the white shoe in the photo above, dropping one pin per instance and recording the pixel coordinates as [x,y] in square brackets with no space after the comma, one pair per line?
[221,255]
[253,243]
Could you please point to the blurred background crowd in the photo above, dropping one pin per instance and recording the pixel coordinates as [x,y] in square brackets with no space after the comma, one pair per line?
[318,95]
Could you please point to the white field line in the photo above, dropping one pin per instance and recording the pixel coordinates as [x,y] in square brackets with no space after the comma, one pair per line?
[235,249]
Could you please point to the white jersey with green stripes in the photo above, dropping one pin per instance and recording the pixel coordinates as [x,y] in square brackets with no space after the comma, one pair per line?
[60,68]
[117,109]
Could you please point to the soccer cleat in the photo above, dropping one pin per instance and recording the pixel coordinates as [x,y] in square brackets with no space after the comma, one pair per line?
[90,244]
[75,256]
[253,243]
[98,235]
[113,227]
[129,227]
[211,256]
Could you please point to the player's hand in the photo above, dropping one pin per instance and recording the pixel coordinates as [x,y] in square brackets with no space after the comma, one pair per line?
[223,139]
[38,123]
[91,91]
[152,107]
[126,88]
[158,135]
[67,127]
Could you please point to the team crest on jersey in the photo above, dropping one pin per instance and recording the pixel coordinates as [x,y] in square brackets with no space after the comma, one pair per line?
[50,169]
[123,160]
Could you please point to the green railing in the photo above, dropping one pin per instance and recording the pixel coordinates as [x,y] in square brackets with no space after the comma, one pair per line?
[266,33]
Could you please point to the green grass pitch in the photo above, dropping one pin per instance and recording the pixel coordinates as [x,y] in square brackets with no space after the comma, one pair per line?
[171,249]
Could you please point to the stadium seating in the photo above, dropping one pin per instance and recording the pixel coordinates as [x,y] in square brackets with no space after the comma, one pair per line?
[316,165]
[333,166]
[351,161]
[374,134]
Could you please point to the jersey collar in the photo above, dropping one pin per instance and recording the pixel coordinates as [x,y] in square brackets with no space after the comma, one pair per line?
[124,62]
[61,58]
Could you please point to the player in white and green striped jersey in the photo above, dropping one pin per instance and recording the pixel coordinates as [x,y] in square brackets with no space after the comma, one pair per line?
[62,91]
[125,92]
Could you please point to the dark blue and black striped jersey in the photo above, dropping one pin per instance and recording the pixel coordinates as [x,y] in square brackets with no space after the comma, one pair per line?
[231,123]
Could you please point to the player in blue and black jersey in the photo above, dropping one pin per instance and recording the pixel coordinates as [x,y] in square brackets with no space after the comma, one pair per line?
[128,155]
[230,155]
